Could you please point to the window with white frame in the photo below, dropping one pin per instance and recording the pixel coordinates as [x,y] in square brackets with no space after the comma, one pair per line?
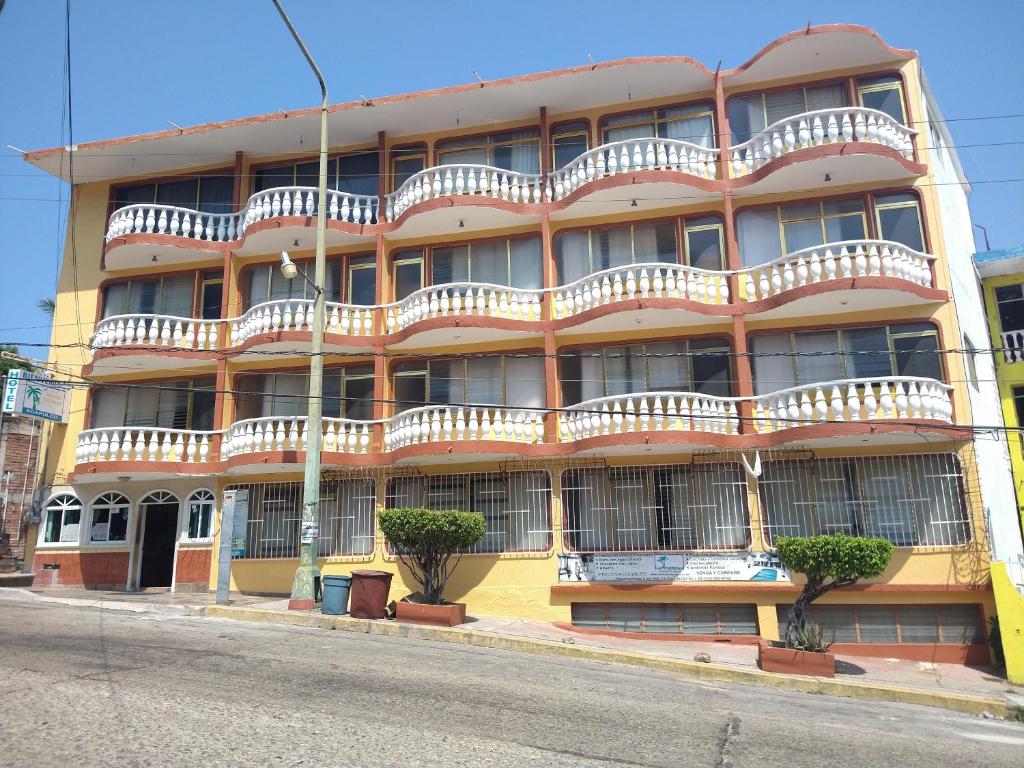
[61,520]
[200,515]
[110,518]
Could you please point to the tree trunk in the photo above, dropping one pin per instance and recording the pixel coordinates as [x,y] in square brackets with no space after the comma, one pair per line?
[796,627]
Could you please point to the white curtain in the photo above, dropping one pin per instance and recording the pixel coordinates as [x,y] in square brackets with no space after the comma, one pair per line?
[592,375]
[450,265]
[620,129]
[259,286]
[818,359]
[573,256]
[489,263]
[826,97]
[696,130]
[655,243]
[758,234]
[525,382]
[143,408]
[108,407]
[611,248]
[773,366]
[668,368]
[115,299]
[526,268]
[177,296]
[746,117]
[779,106]
[289,395]
[484,381]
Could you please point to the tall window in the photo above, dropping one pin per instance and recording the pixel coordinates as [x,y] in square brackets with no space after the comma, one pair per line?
[407,273]
[899,219]
[209,194]
[110,518]
[1010,303]
[516,263]
[568,141]
[264,282]
[406,162]
[914,500]
[175,404]
[749,115]
[355,173]
[784,360]
[515,505]
[693,123]
[486,380]
[517,151]
[702,240]
[171,295]
[200,507]
[347,394]
[582,253]
[681,507]
[675,366]
[62,517]
[884,94]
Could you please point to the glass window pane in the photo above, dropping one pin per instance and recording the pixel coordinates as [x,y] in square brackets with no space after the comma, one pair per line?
[115,299]
[867,353]
[655,243]
[611,248]
[527,268]
[271,178]
[489,262]
[521,157]
[176,298]
[259,286]
[357,173]
[216,194]
[484,381]
[802,234]
[746,117]
[773,363]
[203,401]
[698,130]
[885,99]
[308,174]
[182,194]
[568,148]
[410,392]
[841,228]
[1011,307]
[711,373]
[779,106]
[108,407]
[818,359]
[704,248]
[144,297]
[449,265]
[406,167]
[408,278]
[826,97]
[918,356]
[525,385]
[757,232]
[136,194]
[362,286]
[901,224]
[358,398]
[668,369]
[572,255]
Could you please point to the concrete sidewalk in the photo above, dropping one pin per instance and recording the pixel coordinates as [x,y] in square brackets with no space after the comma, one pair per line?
[950,686]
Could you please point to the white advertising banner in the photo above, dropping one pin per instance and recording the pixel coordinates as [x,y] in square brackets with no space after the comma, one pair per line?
[36,395]
[611,567]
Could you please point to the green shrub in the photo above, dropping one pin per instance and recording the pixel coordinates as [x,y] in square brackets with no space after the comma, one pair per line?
[828,562]
[425,540]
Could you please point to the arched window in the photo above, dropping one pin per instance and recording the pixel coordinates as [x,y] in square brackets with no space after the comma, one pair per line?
[200,514]
[110,518]
[62,518]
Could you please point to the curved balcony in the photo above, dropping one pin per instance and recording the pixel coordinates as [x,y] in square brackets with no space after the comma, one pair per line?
[822,128]
[635,282]
[849,400]
[643,412]
[447,423]
[155,219]
[273,434]
[284,315]
[157,331]
[629,156]
[144,444]
[464,179]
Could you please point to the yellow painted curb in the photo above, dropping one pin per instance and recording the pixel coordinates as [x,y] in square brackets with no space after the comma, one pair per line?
[827,686]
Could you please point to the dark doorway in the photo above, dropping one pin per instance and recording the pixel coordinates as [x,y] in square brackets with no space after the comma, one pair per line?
[157,568]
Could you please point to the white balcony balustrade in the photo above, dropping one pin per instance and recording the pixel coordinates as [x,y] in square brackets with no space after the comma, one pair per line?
[297,315]
[463,300]
[464,179]
[272,434]
[889,398]
[649,412]
[437,423]
[632,155]
[641,281]
[156,331]
[820,127]
[172,220]
[301,201]
[143,444]
[1013,345]
[836,261]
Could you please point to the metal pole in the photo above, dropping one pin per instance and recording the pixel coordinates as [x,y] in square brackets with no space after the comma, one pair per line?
[303,595]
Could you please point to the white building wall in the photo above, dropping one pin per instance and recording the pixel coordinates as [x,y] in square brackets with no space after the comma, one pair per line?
[993,455]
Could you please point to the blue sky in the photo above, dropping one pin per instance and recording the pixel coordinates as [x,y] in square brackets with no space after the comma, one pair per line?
[136,65]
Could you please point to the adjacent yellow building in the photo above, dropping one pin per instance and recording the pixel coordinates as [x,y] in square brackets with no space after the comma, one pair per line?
[644,316]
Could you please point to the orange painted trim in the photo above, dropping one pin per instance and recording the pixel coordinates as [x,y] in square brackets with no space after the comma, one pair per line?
[781,589]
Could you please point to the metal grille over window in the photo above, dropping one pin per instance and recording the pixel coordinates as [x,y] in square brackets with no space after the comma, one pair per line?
[656,508]
[515,505]
[275,512]
[944,623]
[913,501]
[668,618]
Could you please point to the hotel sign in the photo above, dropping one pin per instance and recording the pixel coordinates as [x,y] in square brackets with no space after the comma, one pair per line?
[36,395]
[612,567]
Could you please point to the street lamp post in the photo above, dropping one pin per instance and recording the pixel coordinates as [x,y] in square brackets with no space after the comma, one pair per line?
[303,594]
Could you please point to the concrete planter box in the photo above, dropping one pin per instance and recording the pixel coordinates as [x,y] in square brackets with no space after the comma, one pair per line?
[16,579]
[449,615]
[777,658]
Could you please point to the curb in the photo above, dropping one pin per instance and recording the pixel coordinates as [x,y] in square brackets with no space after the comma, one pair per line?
[107,605]
[824,686]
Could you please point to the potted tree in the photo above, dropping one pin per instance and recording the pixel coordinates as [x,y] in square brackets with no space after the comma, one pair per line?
[828,562]
[426,541]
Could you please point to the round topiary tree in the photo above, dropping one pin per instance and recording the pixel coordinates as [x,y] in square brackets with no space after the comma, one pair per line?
[828,562]
[425,541]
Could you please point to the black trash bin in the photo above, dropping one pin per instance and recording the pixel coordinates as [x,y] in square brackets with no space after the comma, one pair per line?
[368,597]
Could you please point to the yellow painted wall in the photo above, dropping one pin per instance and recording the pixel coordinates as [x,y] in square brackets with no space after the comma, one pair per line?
[1010,607]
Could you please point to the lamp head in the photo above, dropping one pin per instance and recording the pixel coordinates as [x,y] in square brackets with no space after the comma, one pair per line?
[288,268]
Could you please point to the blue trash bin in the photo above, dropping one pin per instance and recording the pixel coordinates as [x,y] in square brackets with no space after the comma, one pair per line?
[336,594]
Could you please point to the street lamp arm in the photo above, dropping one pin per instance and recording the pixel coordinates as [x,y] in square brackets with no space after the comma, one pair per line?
[305,51]
[305,277]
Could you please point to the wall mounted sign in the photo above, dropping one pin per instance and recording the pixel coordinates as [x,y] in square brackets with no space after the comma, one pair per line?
[611,567]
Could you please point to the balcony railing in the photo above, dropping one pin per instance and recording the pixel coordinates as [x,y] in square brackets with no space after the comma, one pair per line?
[820,127]
[632,155]
[641,281]
[143,444]
[301,201]
[891,397]
[434,423]
[649,411]
[836,261]
[464,179]
[464,300]
[273,433]
[157,331]
[1013,345]
[297,315]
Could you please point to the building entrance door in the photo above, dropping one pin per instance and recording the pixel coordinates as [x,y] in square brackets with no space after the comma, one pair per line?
[161,527]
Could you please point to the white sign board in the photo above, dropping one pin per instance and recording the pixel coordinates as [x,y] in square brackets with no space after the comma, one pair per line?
[671,568]
[36,395]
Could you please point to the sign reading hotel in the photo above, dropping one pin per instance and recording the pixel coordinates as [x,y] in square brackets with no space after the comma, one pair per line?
[36,395]
[611,567]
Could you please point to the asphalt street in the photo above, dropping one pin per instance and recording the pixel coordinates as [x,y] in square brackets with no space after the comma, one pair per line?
[81,686]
